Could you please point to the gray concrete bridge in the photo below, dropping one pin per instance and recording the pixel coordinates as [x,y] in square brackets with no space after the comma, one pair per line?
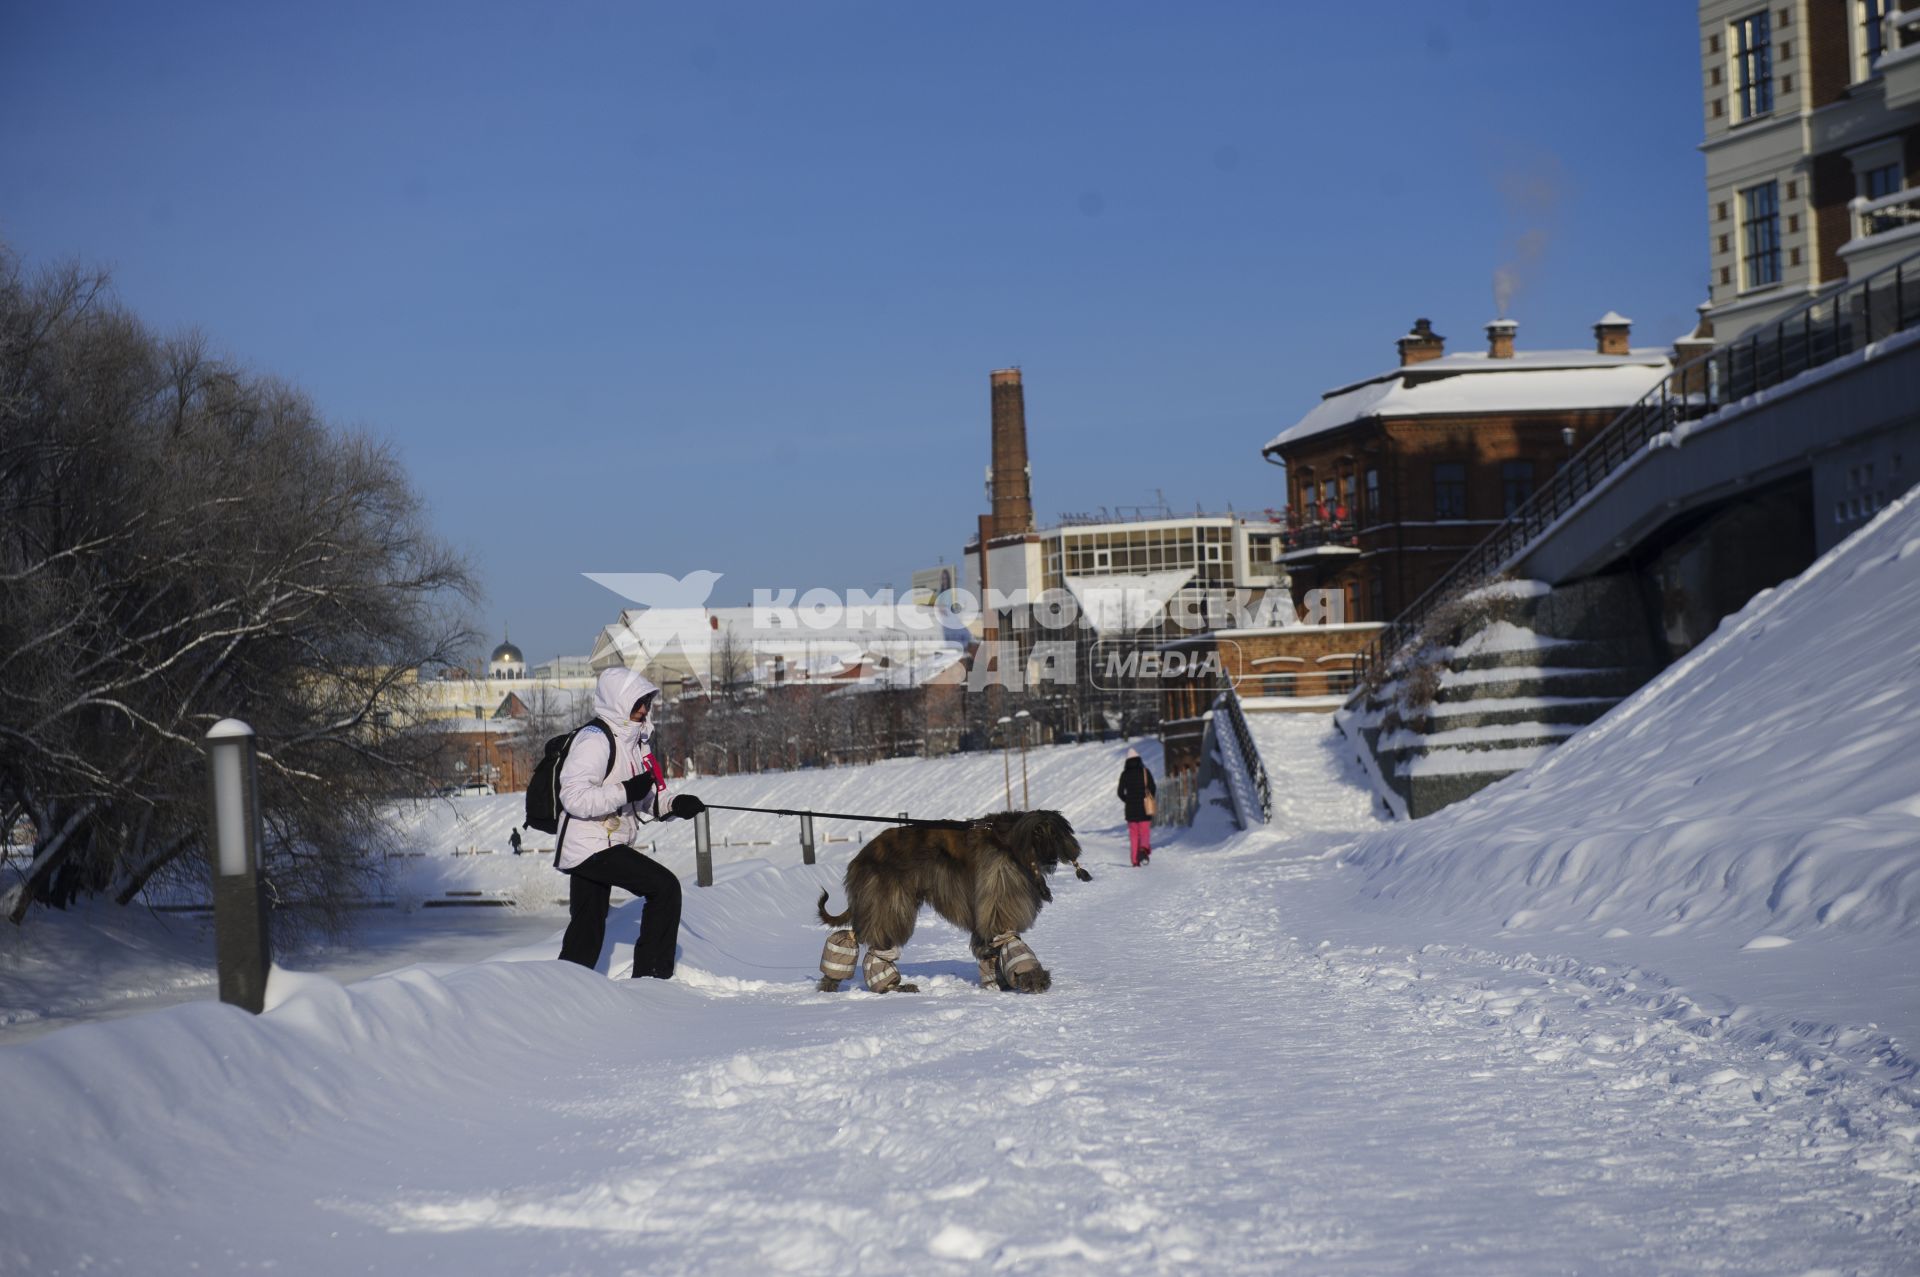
[1849,430]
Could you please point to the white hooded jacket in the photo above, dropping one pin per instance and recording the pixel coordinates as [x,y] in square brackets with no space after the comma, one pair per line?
[596,813]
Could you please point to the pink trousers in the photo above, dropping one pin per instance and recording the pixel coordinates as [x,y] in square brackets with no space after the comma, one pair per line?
[1139,838]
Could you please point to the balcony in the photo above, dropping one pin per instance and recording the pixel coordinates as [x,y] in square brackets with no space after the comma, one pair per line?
[1899,66]
[1322,534]
[1884,230]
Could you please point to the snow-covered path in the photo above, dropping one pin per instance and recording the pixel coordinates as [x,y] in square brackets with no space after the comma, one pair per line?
[1207,1088]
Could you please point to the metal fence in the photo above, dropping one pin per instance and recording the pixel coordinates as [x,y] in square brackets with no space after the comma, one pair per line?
[1239,739]
[1177,798]
[1817,332]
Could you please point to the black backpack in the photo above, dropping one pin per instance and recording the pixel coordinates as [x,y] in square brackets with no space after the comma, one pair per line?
[543,791]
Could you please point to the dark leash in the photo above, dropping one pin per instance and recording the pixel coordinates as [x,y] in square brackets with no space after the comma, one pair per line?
[686,806]
[795,811]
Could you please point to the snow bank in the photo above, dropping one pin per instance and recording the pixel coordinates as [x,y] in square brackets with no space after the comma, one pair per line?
[1766,783]
[108,1111]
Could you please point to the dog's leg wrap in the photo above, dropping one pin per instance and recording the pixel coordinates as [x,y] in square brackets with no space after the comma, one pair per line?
[882,975]
[839,955]
[1013,956]
[990,973]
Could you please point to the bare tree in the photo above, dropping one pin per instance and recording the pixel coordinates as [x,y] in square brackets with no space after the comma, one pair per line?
[180,542]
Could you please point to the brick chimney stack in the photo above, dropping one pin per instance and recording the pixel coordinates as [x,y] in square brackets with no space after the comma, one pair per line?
[1421,344]
[1012,492]
[1610,334]
[1500,338]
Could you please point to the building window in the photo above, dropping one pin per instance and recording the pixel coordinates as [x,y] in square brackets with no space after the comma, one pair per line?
[1373,496]
[1752,66]
[1346,495]
[1884,180]
[1516,484]
[1377,599]
[1760,235]
[1869,15]
[1450,490]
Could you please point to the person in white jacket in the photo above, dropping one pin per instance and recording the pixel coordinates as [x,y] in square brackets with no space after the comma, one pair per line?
[611,786]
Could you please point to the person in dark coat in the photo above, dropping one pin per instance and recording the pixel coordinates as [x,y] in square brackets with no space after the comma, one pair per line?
[1136,788]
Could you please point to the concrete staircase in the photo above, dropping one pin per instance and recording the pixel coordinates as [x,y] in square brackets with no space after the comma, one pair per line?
[1516,670]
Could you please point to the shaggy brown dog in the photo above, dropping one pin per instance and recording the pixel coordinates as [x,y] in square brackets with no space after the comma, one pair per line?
[988,877]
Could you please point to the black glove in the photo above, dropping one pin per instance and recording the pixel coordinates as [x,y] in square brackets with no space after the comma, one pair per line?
[638,787]
[687,806]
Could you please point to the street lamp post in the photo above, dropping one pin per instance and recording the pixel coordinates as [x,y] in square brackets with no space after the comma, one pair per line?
[1026,721]
[1006,756]
[486,755]
[702,850]
[239,897]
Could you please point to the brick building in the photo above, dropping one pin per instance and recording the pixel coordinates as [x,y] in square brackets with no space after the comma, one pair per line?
[1391,479]
[1812,116]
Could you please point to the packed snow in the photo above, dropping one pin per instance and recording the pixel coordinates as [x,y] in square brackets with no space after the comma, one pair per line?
[1646,1007]
[1765,784]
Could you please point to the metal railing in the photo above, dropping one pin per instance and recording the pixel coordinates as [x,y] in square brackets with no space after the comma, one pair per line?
[1816,332]
[1177,798]
[1899,30]
[1313,532]
[1241,755]
[1893,212]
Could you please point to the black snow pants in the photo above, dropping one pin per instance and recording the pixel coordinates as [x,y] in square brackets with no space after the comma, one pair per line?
[590,889]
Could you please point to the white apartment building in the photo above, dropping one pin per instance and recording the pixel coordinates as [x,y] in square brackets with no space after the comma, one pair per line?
[1812,113]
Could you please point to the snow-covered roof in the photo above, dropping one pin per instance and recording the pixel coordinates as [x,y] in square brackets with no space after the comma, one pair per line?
[468,724]
[935,667]
[1613,319]
[700,630]
[1530,381]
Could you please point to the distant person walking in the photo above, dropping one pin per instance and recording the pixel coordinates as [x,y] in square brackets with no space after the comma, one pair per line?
[1137,791]
[610,786]
[514,841]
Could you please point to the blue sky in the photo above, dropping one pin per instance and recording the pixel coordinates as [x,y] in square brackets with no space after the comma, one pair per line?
[657,288]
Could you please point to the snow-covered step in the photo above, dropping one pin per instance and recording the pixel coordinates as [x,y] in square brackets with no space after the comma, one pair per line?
[1486,737]
[1494,685]
[1492,710]
[1483,765]
[1537,680]
[1560,653]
